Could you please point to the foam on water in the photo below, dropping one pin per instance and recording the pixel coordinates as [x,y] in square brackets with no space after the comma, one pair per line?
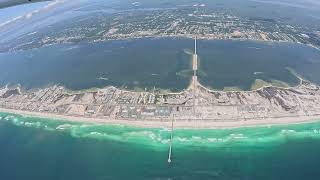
[64,126]
[160,137]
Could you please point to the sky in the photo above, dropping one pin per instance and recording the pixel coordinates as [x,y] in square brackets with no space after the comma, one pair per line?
[20,10]
[305,4]
[26,11]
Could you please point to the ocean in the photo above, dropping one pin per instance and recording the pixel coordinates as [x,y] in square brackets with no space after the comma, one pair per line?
[35,148]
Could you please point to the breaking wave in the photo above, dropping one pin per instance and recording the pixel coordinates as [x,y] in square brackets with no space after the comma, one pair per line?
[160,137]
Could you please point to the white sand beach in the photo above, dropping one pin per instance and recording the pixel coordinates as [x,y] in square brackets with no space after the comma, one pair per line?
[193,124]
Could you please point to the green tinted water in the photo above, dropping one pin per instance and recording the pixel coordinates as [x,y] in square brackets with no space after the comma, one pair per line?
[34,148]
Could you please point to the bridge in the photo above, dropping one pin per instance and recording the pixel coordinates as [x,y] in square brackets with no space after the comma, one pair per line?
[194,85]
[194,77]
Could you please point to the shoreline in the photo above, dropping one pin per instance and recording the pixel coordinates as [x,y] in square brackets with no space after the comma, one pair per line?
[178,124]
[196,107]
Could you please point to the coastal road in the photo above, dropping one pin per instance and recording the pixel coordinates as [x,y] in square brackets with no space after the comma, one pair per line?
[194,77]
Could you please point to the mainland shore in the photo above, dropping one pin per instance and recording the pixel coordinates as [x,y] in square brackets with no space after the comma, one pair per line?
[181,124]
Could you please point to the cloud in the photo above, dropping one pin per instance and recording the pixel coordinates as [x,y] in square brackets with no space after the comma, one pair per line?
[52,4]
[32,13]
[29,15]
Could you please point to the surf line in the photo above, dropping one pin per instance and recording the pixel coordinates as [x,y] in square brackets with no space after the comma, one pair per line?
[170,143]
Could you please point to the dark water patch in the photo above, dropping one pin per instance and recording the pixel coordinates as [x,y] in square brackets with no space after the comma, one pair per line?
[144,63]
[240,63]
[163,63]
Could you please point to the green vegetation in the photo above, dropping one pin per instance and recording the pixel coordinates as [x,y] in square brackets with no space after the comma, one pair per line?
[259,83]
[278,83]
[185,73]
[232,88]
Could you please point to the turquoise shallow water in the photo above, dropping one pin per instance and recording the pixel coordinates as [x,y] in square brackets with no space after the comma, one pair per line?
[34,148]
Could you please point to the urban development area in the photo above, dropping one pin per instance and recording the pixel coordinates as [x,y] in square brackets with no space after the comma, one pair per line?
[205,23]
[196,103]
